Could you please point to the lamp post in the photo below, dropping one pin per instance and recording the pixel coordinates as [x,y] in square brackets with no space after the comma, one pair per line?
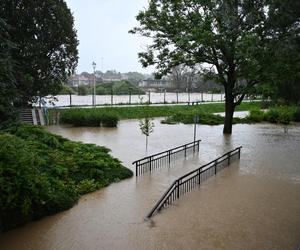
[94,92]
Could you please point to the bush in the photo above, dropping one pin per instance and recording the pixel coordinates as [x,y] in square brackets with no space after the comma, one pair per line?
[89,117]
[273,115]
[296,114]
[42,174]
[256,115]
[187,117]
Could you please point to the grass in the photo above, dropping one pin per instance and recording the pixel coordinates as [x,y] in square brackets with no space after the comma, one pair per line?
[71,115]
[42,174]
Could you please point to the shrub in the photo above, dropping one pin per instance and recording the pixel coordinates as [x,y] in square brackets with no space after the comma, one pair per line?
[42,173]
[273,115]
[256,115]
[296,114]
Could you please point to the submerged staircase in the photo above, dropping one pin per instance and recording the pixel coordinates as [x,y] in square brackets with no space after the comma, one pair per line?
[32,116]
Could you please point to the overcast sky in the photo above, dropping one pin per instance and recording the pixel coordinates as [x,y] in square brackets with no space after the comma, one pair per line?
[102,29]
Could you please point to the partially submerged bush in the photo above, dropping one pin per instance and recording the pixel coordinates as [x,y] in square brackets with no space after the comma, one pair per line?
[256,115]
[88,117]
[42,173]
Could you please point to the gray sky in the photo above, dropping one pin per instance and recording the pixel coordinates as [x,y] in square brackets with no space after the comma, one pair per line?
[102,29]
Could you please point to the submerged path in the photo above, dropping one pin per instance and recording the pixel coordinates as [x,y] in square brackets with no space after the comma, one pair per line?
[254,204]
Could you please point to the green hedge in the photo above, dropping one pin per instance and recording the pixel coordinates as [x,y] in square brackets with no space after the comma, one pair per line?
[89,117]
[42,173]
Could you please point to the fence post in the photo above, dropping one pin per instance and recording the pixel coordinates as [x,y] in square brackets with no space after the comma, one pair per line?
[199,175]
[136,169]
[149,99]
[70,99]
[150,164]
[169,154]
[184,150]
[178,189]
[129,97]
[201,96]
[177,96]
[165,96]
[239,153]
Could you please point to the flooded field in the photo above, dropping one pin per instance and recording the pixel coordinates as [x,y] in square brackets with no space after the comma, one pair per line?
[253,204]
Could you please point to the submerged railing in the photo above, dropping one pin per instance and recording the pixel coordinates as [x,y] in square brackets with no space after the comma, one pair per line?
[193,179]
[155,161]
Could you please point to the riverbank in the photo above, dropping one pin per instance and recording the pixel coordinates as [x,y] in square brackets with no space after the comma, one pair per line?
[43,173]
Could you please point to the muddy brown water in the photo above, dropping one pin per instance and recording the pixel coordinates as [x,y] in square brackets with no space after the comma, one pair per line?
[253,204]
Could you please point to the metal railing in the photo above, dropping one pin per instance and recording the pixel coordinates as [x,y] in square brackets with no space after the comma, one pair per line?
[193,179]
[152,162]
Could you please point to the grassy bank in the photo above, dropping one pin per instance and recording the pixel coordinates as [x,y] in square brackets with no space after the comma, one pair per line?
[73,116]
[42,173]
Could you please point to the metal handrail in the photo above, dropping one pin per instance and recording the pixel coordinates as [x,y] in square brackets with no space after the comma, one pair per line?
[167,153]
[175,186]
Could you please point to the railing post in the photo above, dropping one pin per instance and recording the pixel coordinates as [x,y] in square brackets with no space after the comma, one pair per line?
[136,169]
[215,167]
[228,158]
[199,174]
[177,189]
[184,150]
[239,153]
[198,145]
[169,155]
[150,163]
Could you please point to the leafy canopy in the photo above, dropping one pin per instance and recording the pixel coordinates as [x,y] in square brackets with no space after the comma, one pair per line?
[230,38]
[45,51]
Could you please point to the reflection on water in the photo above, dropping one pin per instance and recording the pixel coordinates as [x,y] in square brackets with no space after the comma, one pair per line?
[253,204]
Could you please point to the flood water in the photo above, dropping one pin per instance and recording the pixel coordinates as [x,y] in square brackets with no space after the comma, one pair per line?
[253,204]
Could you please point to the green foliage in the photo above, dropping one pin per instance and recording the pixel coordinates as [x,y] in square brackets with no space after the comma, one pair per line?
[83,90]
[89,117]
[81,116]
[118,88]
[42,173]
[237,39]
[256,115]
[45,51]
[146,126]
[7,80]
[187,117]
[296,115]
[66,90]
[276,114]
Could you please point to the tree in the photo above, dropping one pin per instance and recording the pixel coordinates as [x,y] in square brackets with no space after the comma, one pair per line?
[45,51]
[7,80]
[283,65]
[183,77]
[228,38]
[146,127]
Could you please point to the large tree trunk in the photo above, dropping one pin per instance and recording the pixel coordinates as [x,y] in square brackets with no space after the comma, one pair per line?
[229,110]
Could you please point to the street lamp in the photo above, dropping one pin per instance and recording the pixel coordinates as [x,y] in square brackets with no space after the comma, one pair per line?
[94,93]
